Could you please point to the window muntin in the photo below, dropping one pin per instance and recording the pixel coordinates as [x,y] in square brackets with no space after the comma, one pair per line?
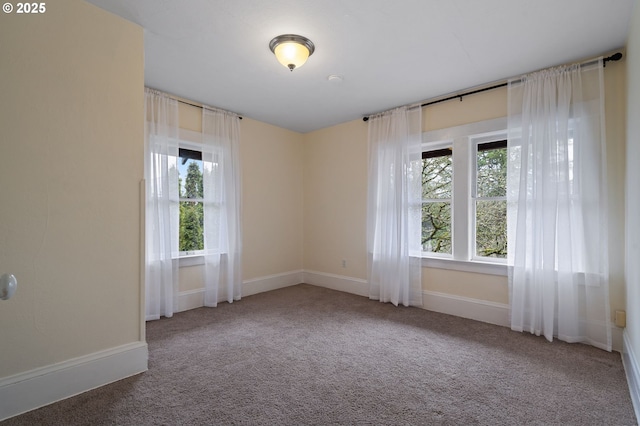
[437,191]
[490,200]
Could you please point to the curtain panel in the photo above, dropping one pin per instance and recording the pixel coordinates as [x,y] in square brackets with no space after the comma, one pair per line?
[557,205]
[221,202]
[222,206]
[394,206]
[161,212]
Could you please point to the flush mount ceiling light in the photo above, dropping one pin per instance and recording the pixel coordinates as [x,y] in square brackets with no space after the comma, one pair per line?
[292,50]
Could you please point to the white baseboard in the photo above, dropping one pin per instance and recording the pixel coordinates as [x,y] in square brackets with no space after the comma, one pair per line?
[272,282]
[475,309]
[480,310]
[337,282]
[617,343]
[493,313]
[486,311]
[36,388]
[465,307]
[190,299]
[632,371]
[193,299]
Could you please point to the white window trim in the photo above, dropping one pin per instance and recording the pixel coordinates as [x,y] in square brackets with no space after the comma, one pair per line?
[435,146]
[463,139]
[190,260]
[476,266]
[475,141]
[190,140]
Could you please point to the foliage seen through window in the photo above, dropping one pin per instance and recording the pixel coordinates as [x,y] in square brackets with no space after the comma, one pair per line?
[191,201]
[491,202]
[437,175]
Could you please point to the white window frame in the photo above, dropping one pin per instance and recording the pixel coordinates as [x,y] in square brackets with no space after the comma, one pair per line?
[463,140]
[190,140]
[494,137]
[435,146]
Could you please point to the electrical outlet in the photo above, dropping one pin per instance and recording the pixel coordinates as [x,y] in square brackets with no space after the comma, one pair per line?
[344,263]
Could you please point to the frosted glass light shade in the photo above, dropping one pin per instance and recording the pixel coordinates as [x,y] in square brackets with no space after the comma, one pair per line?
[292,50]
[291,55]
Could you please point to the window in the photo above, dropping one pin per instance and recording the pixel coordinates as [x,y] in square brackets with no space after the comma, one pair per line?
[464,214]
[195,165]
[490,200]
[191,237]
[437,185]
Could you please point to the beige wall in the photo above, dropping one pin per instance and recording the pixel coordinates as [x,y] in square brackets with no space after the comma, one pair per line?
[335,200]
[481,106]
[335,190]
[632,190]
[71,144]
[272,188]
[615,114]
[271,162]
[335,197]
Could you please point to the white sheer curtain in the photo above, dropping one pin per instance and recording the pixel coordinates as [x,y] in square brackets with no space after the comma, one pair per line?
[394,207]
[161,222]
[222,206]
[557,205]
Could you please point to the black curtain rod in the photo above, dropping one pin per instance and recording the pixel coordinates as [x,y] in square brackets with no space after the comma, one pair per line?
[199,106]
[615,57]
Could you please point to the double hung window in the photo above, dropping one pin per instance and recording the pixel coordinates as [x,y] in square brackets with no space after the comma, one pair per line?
[464,209]
[489,193]
[197,165]
[437,193]
[191,198]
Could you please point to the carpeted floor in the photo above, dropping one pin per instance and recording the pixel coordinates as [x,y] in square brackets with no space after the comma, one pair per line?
[308,355]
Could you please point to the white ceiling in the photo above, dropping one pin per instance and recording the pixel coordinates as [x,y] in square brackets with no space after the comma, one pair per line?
[389,53]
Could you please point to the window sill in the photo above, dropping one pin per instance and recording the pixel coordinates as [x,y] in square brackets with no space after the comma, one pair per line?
[192,260]
[195,259]
[465,266]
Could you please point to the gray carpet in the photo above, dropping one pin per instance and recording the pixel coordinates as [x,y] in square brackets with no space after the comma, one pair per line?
[308,355]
